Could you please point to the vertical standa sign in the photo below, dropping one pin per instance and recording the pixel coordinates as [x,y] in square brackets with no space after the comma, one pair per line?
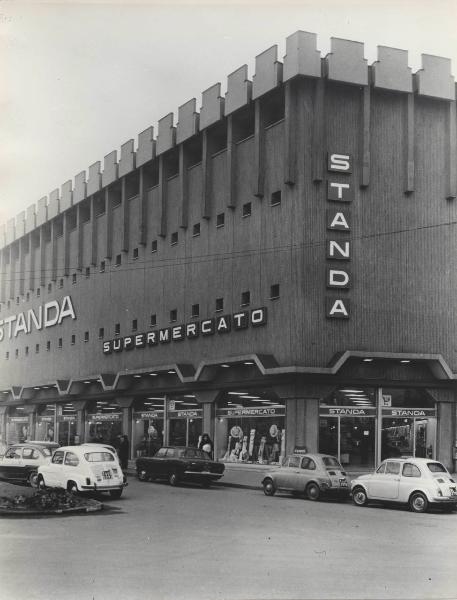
[340,192]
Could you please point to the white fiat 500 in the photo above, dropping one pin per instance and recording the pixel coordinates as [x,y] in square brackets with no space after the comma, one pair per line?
[82,469]
[418,482]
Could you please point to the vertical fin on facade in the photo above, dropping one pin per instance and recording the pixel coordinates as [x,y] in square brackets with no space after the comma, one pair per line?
[94,181]
[54,204]
[10,231]
[30,221]
[302,56]
[319,131]
[435,79]
[365,156]
[66,199]
[451,154]
[166,137]
[391,71]
[346,62]
[409,150]
[80,191]
[239,90]
[127,160]
[268,72]
[188,119]
[212,109]
[146,147]
[42,211]
[20,224]
[110,170]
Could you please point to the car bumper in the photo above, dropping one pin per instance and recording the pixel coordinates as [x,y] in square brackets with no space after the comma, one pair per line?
[198,475]
[440,501]
[336,492]
[103,488]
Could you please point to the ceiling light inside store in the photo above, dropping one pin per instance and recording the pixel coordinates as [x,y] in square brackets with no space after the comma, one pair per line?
[188,396]
[36,388]
[155,398]
[225,366]
[252,397]
[248,362]
[352,391]
[405,361]
[237,393]
[171,372]
[367,360]
[153,374]
[137,376]
[87,382]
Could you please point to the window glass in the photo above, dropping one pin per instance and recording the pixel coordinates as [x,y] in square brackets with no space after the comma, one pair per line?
[98,457]
[309,464]
[436,467]
[392,468]
[161,452]
[46,451]
[171,453]
[381,469]
[329,461]
[293,461]
[13,453]
[30,453]
[57,459]
[410,470]
[71,459]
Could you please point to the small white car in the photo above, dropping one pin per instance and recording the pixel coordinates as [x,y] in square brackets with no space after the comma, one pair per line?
[83,469]
[418,482]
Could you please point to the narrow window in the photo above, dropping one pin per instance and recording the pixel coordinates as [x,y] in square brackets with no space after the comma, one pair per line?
[73,340]
[118,260]
[274,291]
[220,220]
[27,297]
[101,333]
[153,321]
[86,336]
[154,246]
[60,343]
[219,304]
[8,304]
[17,352]
[87,272]
[102,266]
[135,253]
[135,325]
[117,329]
[49,288]
[26,350]
[174,238]
[173,315]
[245,298]
[7,356]
[48,346]
[60,283]
[17,299]
[247,209]
[37,348]
[195,310]
[73,278]
[275,198]
[196,230]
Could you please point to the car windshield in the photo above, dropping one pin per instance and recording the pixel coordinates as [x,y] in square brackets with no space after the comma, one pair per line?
[99,457]
[436,467]
[331,463]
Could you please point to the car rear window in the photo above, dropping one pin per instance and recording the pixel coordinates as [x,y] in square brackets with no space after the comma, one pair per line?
[46,451]
[436,467]
[331,462]
[99,457]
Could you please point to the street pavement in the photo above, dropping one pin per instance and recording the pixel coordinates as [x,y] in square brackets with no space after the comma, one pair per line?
[186,543]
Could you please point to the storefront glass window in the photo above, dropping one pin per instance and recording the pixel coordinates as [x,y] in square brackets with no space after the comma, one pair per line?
[250,428]
[147,426]
[186,421]
[46,423]
[17,425]
[66,424]
[104,422]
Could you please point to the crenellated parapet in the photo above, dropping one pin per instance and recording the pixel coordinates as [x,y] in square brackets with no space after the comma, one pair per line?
[345,64]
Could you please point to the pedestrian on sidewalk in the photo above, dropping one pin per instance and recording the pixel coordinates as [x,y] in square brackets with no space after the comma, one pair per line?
[206,444]
[123,452]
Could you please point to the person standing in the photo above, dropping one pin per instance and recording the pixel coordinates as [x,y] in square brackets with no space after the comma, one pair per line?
[206,444]
[123,452]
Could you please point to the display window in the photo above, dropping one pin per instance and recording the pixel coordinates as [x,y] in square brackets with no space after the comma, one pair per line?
[250,428]
[147,426]
[185,421]
[17,425]
[104,422]
[45,429]
[66,424]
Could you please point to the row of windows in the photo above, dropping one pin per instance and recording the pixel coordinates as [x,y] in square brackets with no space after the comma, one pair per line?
[174,237]
[195,313]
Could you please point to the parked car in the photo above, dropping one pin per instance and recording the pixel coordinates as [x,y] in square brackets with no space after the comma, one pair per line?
[179,463]
[314,475]
[83,469]
[417,482]
[20,462]
[102,445]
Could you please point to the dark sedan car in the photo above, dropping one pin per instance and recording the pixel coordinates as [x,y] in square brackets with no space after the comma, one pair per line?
[21,461]
[177,464]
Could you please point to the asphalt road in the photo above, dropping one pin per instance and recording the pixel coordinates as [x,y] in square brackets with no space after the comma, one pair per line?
[163,543]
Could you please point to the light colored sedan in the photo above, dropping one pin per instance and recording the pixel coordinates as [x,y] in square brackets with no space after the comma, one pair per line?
[314,475]
[417,482]
[82,469]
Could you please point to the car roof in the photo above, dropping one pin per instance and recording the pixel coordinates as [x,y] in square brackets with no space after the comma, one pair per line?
[419,460]
[82,447]
[23,444]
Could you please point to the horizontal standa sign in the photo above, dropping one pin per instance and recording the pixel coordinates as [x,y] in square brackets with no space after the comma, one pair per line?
[18,419]
[251,412]
[346,411]
[186,413]
[65,418]
[105,417]
[409,412]
[149,414]
[218,325]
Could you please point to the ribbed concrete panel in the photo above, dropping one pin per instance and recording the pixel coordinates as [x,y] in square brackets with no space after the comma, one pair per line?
[166,138]
[80,190]
[239,90]
[212,109]
[67,196]
[187,121]
[346,62]
[391,71]
[268,72]
[127,160]
[146,147]
[110,168]
[435,79]
[42,211]
[54,204]
[94,183]
[302,56]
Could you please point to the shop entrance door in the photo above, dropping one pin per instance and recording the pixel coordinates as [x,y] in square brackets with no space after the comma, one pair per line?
[185,432]
[67,432]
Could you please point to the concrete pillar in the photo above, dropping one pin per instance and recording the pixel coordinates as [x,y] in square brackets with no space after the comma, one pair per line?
[81,424]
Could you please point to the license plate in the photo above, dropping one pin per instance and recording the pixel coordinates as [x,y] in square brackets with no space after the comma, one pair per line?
[107,475]
[343,483]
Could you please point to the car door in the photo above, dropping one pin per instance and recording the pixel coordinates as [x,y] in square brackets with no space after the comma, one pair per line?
[156,466]
[69,468]
[286,477]
[385,483]
[306,473]
[11,465]
[30,461]
[53,470]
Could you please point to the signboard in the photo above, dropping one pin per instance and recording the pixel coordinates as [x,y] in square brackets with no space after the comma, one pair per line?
[251,412]
[18,419]
[300,450]
[46,419]
[105,417]
[346,411]
[186,413]
[386,401]
[409,412]
[64,418]
[149,414]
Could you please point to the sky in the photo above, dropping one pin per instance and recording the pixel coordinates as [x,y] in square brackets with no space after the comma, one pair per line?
[78,79]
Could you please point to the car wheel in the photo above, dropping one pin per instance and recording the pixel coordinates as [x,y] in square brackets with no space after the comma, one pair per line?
[40,482]
[141,474]
[312,491]
[72,487]
[359,496]
[115,493]
[269,487]
[33,479]
[418,502]
[173,479]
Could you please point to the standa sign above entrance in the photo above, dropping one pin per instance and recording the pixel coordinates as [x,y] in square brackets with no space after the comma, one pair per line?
[46,315]
[220,325]
[346,411]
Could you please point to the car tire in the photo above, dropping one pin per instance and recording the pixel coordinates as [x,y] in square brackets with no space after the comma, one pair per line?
[141,474]
[173,479]
[40,483]
[116,494]
[313,491]
[72,488]
[418,502]
[33,479]
[359,496]
[269,487]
